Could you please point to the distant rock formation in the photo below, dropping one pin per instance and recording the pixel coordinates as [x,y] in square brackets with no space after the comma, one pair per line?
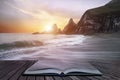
[103,19]
[70,27]
[56,30]
[36,33]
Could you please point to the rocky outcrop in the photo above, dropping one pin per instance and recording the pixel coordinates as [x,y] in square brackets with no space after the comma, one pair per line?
[100,20]
[115,2]
[91,23]
[36,33]
[70,27]
[56,30]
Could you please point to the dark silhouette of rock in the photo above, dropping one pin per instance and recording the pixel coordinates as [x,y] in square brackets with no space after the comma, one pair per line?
[100,20]
[114,2]
[70,27]
[60,31]
[36,33]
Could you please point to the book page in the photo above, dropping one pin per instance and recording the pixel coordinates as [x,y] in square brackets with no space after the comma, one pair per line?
[43,71]
[45,66]
[82,67]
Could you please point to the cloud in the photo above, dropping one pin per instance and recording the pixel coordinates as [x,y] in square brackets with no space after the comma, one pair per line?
[38,13]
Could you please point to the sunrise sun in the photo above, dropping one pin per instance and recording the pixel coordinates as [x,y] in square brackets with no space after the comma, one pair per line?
[48,28]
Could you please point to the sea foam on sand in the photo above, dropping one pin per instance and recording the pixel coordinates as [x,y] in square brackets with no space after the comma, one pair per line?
[61,47]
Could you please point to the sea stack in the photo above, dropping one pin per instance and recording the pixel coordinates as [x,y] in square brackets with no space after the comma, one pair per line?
[70,27]
[56,30]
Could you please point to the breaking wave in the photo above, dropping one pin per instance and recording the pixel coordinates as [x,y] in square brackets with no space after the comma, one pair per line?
[20,44]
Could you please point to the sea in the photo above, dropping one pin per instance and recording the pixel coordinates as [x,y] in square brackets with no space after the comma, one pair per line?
[19,46]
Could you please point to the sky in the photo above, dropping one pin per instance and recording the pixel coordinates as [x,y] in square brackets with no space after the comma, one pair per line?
[37,15]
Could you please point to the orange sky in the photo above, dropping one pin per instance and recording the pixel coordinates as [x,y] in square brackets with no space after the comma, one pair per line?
[29,26]
[37,15]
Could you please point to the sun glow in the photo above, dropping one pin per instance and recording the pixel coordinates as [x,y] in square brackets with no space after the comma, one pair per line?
[48,28]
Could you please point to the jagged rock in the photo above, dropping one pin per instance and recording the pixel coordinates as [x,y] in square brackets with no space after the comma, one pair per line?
[60,31]
[56,30]
[114,2]
[102,19]
[70,27]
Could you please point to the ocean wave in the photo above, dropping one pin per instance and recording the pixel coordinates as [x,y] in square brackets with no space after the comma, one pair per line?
[20,44]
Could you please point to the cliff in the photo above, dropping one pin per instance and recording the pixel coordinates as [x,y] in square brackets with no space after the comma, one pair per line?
[100,20]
